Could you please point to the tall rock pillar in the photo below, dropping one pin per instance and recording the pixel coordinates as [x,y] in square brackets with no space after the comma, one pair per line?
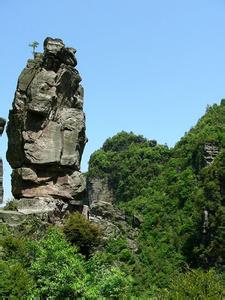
[2,125]
[46,131]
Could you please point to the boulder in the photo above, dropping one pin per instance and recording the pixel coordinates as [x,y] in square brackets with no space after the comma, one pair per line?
[11,218]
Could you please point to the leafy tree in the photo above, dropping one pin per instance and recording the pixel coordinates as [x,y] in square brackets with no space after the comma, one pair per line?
[49,267]
[196,284]
[172,190]
[108,278]
[129,162]
[57,269]
[15,255]
[33,45]
[15,281]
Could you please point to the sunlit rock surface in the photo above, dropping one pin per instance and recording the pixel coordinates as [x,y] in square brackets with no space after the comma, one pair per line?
[46,128]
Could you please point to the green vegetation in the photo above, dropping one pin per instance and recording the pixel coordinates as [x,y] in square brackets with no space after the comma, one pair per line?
[50,267]
[129,162]
[196,284]
[11,205]
[82,233]
[34,45]
[179,196]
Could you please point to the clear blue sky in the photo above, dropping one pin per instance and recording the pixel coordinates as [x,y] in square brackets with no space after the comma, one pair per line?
[150,67]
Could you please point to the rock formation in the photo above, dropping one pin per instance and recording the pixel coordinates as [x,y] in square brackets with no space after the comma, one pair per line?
[99,191]
[211,150]
[46,131]
[110,219]
[2,125]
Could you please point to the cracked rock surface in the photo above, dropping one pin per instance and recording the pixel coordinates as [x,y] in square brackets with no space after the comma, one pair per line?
[46,128]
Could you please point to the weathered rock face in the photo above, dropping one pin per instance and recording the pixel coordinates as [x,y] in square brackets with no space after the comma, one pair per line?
[46,128]
[211,150]
[108,217]
[2,125]
[99,190]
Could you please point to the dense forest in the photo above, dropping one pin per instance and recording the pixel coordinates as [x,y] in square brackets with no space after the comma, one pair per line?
[177,197]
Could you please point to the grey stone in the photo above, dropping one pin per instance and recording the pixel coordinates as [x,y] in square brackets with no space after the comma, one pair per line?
[53,46]
[69,185]
[15,127]
[44,146]
[211,150]
[38,205]
[70,155]
[42,92]
[108,229]
[26,78]
[99,191]
[27,174]
[110,219]
[48,209]
[11,218]
[107,211]
[46,129]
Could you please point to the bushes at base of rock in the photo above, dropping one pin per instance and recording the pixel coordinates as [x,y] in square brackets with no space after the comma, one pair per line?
[82,233]
[51,268]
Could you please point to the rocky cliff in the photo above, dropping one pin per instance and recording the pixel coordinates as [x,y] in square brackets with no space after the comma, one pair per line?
[211,150]
[110,219]
[46,131]
[2,125]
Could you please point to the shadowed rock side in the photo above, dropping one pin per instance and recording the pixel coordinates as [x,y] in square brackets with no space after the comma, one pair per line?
[108,217]
[46,130]
[2,125]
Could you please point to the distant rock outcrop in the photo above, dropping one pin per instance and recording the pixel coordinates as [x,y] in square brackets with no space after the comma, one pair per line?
[46,131]
[2,125]
[211,150]
[106,215]
[99,190]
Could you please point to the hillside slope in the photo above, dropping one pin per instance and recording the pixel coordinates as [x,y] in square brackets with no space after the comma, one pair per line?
[159,229]
[178,194]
